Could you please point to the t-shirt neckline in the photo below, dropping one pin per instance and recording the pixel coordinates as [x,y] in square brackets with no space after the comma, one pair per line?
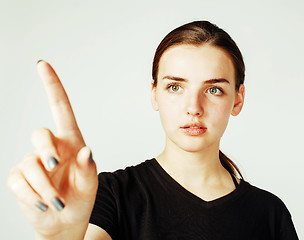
[230,197]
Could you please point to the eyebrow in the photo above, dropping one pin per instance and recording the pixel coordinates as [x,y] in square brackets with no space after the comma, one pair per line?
[209,81]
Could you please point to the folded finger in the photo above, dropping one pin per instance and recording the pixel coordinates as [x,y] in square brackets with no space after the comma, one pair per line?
[45,143]
[38,178]
[24,193]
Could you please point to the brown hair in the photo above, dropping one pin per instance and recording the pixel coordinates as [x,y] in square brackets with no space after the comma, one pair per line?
[198,33]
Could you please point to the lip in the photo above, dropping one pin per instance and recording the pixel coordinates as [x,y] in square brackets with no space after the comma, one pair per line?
[194,129]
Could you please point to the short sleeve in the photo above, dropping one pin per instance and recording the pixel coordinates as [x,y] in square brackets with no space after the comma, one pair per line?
[289,232]
[104,213]
[287,229]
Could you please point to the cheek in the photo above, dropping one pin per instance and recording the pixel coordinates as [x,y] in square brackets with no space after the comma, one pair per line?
[220,115]
[169,111]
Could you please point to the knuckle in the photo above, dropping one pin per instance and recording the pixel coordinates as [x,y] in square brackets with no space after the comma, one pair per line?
[40,133]
[15,175]
[15,186]
[29,158]
[14,180]
[30,155]
[10,181]
[28,162]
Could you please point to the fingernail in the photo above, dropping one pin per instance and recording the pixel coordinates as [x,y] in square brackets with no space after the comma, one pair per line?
[58,204]
[39,61]
[91,158]
[41,206]
[52,162]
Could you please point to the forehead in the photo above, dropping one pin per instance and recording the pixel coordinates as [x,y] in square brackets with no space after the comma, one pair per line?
[196,62]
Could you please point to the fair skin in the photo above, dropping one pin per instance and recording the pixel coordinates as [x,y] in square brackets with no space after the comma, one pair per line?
[186,94]
[190,155]
[73,180]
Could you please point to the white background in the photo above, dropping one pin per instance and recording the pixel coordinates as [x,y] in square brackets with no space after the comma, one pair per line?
[103,51]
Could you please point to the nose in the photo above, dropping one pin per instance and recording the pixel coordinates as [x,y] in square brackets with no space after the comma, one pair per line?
[195,105]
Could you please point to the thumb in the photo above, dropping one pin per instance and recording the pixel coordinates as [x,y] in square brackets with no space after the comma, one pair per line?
[86,180]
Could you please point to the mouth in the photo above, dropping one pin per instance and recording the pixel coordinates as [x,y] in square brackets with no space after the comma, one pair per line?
[194,129]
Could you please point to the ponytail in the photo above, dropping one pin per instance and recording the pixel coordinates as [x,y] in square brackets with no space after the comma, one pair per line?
[230,166]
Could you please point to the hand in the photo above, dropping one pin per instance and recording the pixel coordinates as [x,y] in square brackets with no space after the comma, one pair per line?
[56,184]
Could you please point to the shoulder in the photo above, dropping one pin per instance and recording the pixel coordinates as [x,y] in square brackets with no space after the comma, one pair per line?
[260,195]
[134,169]
[130,175]
[267,203]
[271,209]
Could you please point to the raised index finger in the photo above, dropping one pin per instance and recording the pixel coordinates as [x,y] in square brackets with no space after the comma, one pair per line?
[59,103]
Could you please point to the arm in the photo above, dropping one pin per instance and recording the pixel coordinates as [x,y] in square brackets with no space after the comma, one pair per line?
[96,233]
[59,178]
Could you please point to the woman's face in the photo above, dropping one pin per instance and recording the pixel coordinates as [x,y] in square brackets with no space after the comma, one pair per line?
[195,95]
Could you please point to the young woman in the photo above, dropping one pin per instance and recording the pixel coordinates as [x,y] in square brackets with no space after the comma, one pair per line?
[190,191]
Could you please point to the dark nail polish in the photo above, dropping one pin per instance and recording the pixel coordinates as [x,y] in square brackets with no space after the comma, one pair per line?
[41,206]
[58,204]
[52,162]
[39,61]
[91,158]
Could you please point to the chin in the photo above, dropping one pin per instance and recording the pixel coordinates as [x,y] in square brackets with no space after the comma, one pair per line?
[193,145]
[193,149]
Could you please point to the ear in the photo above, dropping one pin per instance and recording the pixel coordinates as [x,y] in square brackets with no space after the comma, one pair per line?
[153,96]
[239,101]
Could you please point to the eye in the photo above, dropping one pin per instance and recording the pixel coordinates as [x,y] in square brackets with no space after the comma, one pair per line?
[215,91]
[174,87]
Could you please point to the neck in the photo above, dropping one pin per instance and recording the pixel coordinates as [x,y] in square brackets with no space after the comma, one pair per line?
[193,168]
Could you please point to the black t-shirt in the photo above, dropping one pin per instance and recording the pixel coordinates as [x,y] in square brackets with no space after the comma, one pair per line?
[144,202]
